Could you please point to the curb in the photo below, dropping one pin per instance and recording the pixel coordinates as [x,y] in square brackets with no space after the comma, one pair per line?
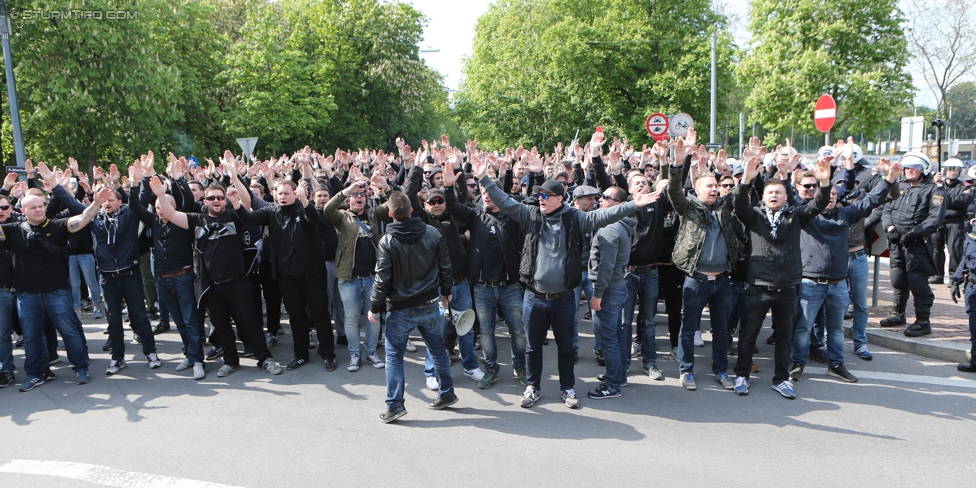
[946,351]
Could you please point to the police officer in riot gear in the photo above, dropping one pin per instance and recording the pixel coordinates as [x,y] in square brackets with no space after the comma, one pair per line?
[908,220]
[952,232]
[965,277]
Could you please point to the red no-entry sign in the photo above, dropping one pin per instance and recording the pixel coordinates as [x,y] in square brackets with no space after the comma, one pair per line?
[825,113]
[657,126]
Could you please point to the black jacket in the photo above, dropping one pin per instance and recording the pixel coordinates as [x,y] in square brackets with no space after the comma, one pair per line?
[411,263]
[482,224]
[776,262]
[172,245]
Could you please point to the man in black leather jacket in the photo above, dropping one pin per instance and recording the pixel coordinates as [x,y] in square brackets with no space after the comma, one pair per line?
[412,264]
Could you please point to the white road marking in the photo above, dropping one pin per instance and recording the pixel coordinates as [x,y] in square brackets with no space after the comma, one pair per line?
[101,475]
[903,378]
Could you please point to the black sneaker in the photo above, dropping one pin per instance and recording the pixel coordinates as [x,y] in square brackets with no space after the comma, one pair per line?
[30,383]
[393,414]
[53,359]
[967,367]
[603,391]
[160,328]
[152,315]
[295,364]
[796,372]
[588,316]
[819,355]
[599,358]
[443,402]
[107,346]
[771,340]
[330,364]
[841,372]
[342,341]
[7,378]
[214,353]
[48,375]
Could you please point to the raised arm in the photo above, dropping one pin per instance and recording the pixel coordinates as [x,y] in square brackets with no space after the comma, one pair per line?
[79,222]
[166,211]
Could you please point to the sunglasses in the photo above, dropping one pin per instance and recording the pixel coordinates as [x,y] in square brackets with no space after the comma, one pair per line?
[218,198]
[472,185]
[608,197]
[810,186]
[358,194]
[542,196]
[436,201]
[728,185]
[4,207]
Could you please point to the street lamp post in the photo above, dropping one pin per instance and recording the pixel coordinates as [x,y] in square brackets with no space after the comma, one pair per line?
[8,63]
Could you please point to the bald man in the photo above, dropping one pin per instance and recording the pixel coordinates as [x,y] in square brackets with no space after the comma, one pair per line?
[172,256]
[40,258]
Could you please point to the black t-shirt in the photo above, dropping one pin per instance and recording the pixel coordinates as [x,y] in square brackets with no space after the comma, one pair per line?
[222,242]
[39,268]
[493,266]
[365,262]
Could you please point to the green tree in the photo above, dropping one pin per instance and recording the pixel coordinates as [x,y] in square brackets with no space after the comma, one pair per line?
[855,51]
[95,90]
[962,99]
[541,69]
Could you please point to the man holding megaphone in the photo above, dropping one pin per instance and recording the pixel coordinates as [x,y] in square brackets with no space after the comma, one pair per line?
[412,264]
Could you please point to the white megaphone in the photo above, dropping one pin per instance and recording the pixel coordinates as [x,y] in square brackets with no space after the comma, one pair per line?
[463,321]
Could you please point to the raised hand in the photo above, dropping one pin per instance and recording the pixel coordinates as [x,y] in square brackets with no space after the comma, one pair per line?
[645,199]
[823,172]
[445,141]
[46,173]
[113,173]
[157,187]
[29,168]
[450,177]
[479,168]
[751,168]
[9,181]
[596,144]
[136,171]
[894,170]
[379,182]
[103,195]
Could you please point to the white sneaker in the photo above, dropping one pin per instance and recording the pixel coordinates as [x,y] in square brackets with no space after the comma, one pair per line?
[154,362]
[432,384]
[410,346]
[475,374]
[185,365]
[198,372]
[635,350]
[114,367]
[271,366]
[698,339]
[226,370]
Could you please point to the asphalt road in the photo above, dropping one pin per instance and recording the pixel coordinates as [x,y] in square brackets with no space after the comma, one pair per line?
[909,421]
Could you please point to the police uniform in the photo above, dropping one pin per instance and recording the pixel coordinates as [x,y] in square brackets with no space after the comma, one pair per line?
[952,232]
[915,214]
[965,276]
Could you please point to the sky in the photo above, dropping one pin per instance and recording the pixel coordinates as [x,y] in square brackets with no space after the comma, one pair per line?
[451,25]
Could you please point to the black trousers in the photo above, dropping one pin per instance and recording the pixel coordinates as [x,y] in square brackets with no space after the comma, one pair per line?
[670,281]
[951,236]
[306,296]
[758,301]
[233,300]
[272,297]
[911,267]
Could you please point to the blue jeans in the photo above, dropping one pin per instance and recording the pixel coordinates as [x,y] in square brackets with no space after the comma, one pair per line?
[857,276]
[460,301]
[645,287]
[355,305]
[7,304]
[33,308]
[614,336]
[83,265]
[539,314]
[696,293]
[488,301]
[127,287]
[177,295]
[585,288]
[399,323]
[812,297]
